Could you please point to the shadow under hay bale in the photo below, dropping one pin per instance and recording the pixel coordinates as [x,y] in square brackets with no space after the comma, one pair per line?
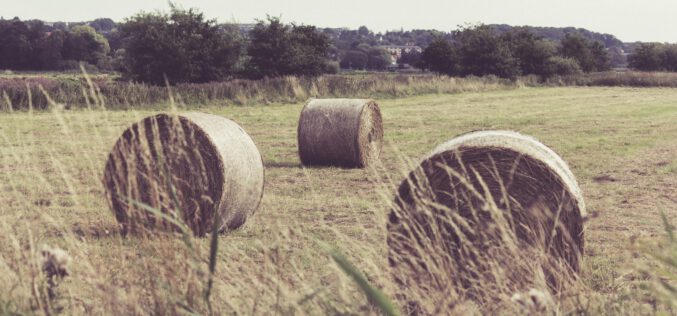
[485,215]
[185,168]
[340,132]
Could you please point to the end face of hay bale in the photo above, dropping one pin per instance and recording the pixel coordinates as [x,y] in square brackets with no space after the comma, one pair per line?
[483,207]
[172,171]
[340,132]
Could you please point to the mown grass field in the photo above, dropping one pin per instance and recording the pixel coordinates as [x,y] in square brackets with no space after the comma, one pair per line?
[621,143]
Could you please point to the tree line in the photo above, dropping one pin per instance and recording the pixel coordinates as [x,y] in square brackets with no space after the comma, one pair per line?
[480,50]
[184,46]
[33,46]
[654,57]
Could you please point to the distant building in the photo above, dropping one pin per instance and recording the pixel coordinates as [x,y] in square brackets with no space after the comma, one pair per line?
[246,28]
[397,50]
[338,30]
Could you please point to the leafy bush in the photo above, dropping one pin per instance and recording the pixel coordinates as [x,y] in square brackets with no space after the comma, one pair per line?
[17,41]
[332,67]
[590,55]
[440,57]
[646,57]
[83,43]
[479,51]
[181,47]
[669,57]
[482,53]
[354,59]
[49,50]
[411,57]
[561,66]
[532,52]
[277,49]
[654,57]
[378,58]
[29,46]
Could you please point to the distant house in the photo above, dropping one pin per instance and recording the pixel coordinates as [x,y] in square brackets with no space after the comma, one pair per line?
[246,28]
[338,30]
[397,50]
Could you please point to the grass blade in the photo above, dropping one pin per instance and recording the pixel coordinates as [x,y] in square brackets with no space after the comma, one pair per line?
[375,295]
[213,251]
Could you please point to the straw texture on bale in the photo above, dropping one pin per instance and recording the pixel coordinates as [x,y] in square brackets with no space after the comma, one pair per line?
[340,132]
[188,167]
[474,206]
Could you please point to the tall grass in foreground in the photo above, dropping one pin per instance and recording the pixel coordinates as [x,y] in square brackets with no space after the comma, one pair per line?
[51,194]
[165,274]
[662,271]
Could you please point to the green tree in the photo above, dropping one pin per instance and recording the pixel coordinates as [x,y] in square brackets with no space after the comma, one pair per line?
[354,59]
[49,50]
[590,55]
[16,48]
[647,57]
[600,56]
[363,31]
[270,50]
[440,57]
[277,49]
[363,47]
[103,25]
[617,57]
[669,57]
[561,66]
[115,40]
[83,43]
[481,52]
[182,46]
[378,58]
[532,52]
[63,26]
[311,51]
[410,57]
[575,46]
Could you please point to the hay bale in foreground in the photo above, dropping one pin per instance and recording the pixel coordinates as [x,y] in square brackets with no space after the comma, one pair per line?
[188,166]
[340,132]
[484,215]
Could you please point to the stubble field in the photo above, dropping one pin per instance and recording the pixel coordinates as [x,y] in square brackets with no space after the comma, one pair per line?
[621,143]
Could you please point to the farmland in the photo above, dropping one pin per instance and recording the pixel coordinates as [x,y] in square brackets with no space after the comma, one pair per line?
[619,142]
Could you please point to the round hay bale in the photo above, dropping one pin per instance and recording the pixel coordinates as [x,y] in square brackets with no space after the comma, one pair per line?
[185,167]
[340,132]
[480,215]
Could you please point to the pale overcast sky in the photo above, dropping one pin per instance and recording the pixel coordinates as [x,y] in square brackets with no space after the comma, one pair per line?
[648,20]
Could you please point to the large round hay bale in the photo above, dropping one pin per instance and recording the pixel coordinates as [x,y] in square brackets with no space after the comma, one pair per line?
[340,132]
[484,215]
[185,167]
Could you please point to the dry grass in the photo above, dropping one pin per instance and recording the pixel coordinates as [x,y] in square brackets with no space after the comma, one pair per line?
[125,95]
[51,165]
[616,79]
